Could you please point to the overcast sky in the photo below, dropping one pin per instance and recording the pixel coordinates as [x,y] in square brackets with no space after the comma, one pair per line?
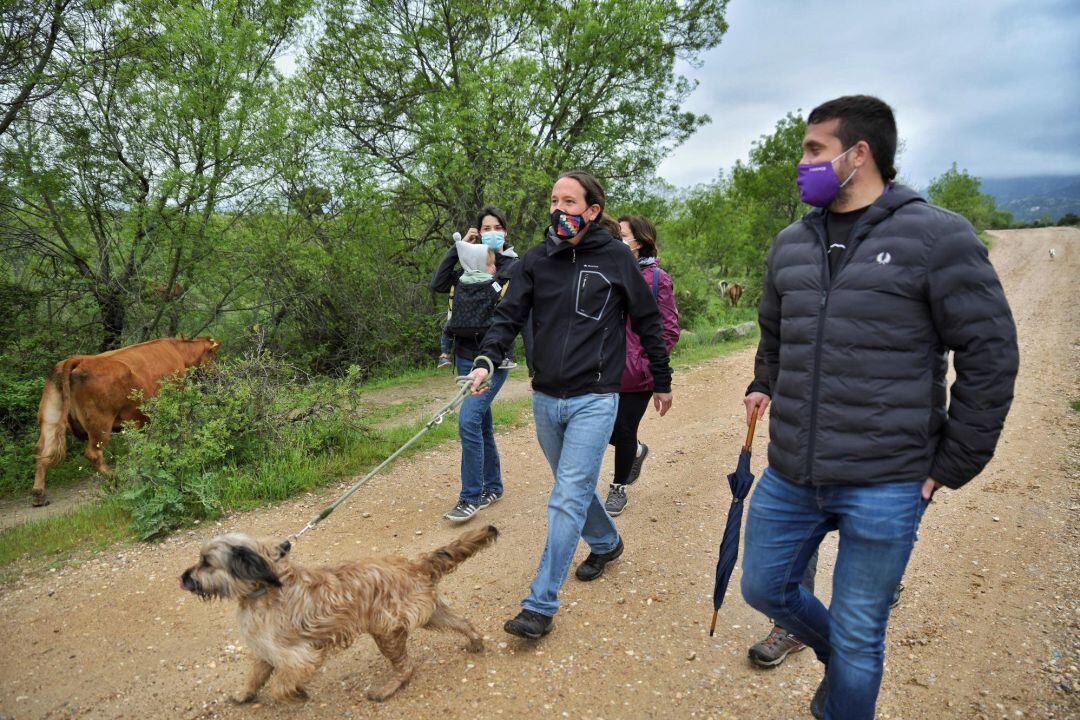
[991,84]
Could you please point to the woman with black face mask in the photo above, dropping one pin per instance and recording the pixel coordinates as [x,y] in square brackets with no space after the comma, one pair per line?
[580,285]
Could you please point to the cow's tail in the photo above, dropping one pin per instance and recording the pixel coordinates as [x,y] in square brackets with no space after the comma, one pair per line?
[443,561]
[53,415]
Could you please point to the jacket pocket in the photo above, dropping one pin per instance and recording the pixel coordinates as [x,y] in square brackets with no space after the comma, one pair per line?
[592,294]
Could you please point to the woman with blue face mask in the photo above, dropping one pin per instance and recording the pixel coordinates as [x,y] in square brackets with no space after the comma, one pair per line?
[481,474]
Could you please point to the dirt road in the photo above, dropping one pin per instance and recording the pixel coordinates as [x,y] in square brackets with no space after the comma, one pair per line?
[988,625]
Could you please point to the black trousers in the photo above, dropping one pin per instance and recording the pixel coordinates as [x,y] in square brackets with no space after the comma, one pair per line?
[632,407]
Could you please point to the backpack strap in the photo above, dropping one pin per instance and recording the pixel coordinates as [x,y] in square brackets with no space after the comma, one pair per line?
[656,283]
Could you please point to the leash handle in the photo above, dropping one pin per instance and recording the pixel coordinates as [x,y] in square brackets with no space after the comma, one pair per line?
[750,433]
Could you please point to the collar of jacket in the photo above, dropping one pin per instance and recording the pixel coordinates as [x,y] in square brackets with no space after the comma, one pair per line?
[888,203]
[595,237]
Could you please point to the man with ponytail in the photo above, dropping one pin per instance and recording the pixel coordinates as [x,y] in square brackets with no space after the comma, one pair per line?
[579,285]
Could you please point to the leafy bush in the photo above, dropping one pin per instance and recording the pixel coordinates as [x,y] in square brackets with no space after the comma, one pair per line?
[214,427]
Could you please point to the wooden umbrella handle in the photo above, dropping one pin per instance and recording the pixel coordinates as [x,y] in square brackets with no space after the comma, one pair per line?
[750,433]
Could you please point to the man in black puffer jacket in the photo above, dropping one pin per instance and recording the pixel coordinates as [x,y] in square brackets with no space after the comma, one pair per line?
[863,300]
[580,285]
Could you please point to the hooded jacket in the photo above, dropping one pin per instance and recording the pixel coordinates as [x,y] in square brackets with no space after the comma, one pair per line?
[580,297]
[855,363]
[636,375]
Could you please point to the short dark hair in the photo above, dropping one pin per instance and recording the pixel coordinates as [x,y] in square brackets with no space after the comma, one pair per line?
[594,191]
[644,232]
[494,212]
[863,117]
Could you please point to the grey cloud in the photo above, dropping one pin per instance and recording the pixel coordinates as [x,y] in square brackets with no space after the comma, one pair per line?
[994,85]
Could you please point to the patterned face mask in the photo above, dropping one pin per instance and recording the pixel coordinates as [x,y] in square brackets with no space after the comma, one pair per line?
[566,225]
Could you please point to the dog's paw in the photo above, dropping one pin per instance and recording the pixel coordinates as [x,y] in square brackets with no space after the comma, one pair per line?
[242,699]
[383,693]
[476,645]
[298,695]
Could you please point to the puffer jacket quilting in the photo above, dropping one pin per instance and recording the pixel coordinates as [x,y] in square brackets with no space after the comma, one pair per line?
[857,363]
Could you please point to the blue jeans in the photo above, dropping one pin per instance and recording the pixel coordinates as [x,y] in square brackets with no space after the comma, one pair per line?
[877,525]
[480,468]
[573,433]
[446,340]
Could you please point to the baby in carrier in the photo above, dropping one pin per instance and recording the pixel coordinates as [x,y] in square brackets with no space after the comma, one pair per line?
[472,301]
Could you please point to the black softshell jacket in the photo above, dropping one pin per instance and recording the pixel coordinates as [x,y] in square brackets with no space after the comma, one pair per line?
[580,296]
[856,364]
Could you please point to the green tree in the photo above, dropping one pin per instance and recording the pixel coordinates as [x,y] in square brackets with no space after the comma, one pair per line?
[959,191]
[729,224]
[454,103]
[128,182]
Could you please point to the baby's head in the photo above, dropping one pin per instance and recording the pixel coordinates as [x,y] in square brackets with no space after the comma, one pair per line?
[474,257]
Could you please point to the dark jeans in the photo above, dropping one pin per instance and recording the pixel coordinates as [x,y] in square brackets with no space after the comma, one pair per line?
[632,406]
[480,468]
[877,524]
[446,340]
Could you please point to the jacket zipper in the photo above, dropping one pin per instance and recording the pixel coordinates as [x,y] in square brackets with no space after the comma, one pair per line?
[600,368]
[569,313]
[816,378]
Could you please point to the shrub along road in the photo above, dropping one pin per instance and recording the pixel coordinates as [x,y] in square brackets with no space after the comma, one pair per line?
[988,625]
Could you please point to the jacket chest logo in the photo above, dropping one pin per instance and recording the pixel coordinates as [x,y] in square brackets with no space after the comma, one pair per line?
[884,258]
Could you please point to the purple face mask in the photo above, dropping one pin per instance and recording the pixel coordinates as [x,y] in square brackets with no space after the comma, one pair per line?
[818,184]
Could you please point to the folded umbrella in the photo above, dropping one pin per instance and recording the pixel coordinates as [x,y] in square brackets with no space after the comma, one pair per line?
[740,482]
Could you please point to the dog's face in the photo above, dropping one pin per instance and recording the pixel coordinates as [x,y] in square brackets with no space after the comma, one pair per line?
[232,566]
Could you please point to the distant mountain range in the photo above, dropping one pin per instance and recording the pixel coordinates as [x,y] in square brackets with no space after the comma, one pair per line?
[1030,198]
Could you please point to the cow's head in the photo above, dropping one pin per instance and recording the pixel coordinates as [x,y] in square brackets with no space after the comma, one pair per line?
[205,350]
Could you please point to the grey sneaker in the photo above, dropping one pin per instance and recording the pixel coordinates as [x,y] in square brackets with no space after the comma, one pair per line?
[489,498]
[639,460]
[462,511]
[445,361]
[616,500]
[771,651]
[507,364]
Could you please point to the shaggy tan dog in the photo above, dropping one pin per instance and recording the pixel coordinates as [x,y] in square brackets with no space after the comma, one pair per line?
[290,616]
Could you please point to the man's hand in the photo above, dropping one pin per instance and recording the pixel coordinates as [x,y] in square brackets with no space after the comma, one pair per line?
[756,402]
[929,487]
[478,376]
[662,402]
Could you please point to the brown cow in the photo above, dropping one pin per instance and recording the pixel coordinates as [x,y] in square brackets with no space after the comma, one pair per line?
[732,290]
[91,394]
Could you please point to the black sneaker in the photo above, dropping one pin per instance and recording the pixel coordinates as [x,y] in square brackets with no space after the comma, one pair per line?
[817,704]
[489,498]
[530,625]
[462,511]
[593,566]
[635,469]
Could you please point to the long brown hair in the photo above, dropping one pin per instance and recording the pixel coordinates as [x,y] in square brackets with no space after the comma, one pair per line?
[643,231]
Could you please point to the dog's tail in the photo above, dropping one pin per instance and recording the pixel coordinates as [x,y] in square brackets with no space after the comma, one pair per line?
[443,561]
